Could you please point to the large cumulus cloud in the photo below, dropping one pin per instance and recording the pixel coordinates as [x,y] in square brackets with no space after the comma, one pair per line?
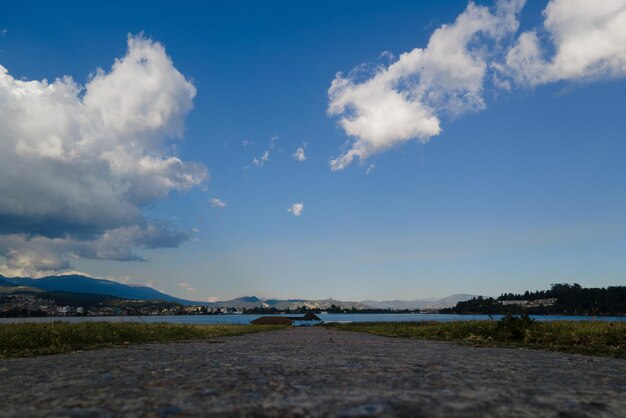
[78,163]
[479,53]
[407,99]
[588,38]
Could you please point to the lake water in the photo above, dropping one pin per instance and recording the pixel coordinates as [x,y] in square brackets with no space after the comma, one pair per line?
[245,319]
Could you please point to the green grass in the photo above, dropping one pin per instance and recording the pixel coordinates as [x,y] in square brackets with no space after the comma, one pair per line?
[582,337]
[18,340]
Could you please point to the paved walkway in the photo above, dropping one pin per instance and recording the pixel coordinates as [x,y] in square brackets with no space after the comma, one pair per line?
[312,372]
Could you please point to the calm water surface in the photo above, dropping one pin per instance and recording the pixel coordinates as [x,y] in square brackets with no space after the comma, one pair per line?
[245,319]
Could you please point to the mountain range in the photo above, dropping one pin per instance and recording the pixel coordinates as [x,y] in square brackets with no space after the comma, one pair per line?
[75,283]
[87,285]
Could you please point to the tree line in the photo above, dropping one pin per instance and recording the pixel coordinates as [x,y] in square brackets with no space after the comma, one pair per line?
[570,299]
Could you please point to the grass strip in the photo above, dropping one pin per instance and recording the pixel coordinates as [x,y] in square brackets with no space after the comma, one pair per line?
[30,339]
[598,338]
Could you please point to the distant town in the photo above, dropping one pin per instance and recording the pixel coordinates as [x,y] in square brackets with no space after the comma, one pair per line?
[16,305]
[27,305]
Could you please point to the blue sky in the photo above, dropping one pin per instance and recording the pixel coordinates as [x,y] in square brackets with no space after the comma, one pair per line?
[523,186]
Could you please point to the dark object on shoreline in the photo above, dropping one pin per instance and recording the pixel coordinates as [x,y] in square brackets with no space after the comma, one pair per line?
[306,320]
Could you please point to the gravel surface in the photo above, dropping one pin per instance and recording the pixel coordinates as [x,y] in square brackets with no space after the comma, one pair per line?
[312,372]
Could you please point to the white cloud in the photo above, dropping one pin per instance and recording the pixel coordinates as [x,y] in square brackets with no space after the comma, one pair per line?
[299,155]
[265,157]
[370,169]
[246,143]
[589,42]
[212,299]
[3,31]
[78,163]
[260,162]
[217,203]
[405,100]
[187,287]
[296,209]
[380,108]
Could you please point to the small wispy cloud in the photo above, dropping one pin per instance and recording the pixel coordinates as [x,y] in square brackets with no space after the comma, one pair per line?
[212,299]
[187,287]
[296,209]
[260,162]
[218,203]
[387,55]
[370,169]
[299,155]
[265,157]
[246,143]
[3,32]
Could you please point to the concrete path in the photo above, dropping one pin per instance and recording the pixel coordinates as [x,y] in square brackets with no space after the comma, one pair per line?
[312,372]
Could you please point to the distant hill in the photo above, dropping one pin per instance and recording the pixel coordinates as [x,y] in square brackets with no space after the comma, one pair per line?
[4,282]
[246,302]
[249,299]
[82,284]
[78,284]
[250,302]
[446,302]
[318,304]
[19,290]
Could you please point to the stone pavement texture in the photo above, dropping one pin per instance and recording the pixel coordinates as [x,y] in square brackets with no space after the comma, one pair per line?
[312,372]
